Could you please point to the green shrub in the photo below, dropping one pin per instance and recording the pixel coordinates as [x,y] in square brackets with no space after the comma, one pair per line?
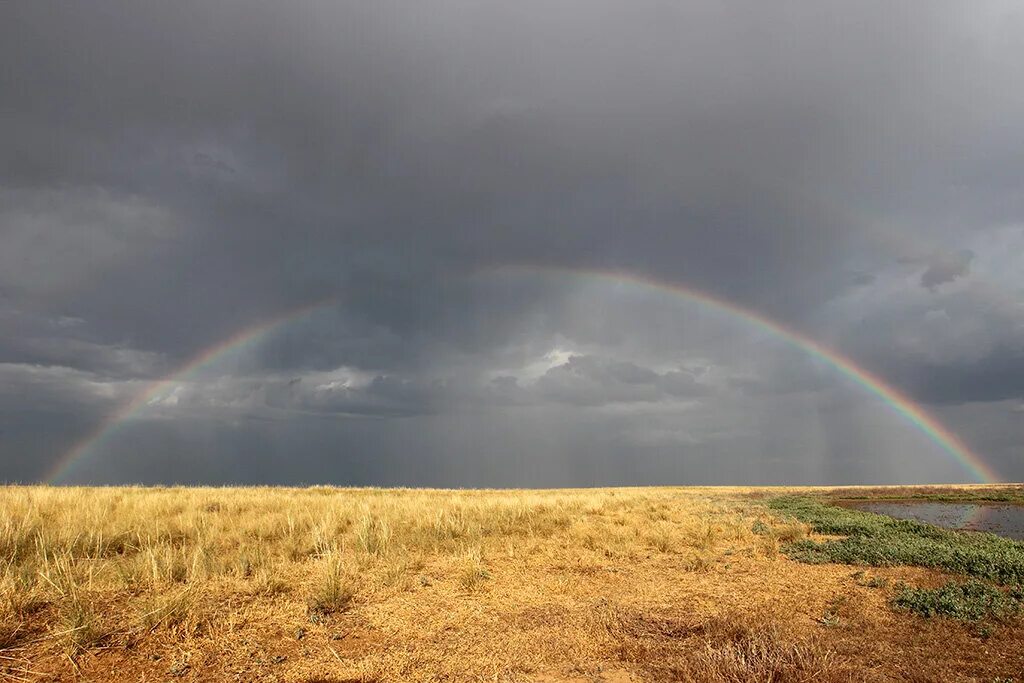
[969,601]
[880,541]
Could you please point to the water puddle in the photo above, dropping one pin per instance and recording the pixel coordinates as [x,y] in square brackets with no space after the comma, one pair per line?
[1004,520]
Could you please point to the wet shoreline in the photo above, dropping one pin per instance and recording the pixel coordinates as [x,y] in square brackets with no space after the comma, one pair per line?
[1002,519]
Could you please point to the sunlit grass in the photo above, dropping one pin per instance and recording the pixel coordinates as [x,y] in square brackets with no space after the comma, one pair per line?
[153,551]
[434,584]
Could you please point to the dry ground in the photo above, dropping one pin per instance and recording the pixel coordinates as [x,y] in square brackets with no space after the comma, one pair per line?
[330,584]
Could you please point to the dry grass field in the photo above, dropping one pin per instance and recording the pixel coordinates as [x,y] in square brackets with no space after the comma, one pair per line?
[326,584]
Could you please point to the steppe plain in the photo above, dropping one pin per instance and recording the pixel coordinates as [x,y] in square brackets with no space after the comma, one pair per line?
[619,584]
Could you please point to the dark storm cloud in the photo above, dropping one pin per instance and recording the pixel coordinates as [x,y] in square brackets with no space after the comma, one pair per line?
[862,279]
[41,340]
[56,389]
[995,377]
[946,268]
[175,173]
[951,344]
[469,134]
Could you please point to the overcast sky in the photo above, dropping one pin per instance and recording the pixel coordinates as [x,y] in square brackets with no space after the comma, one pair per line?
[439,177]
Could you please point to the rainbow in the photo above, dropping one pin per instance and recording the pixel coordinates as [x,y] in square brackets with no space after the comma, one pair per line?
[151,392]
[898,401]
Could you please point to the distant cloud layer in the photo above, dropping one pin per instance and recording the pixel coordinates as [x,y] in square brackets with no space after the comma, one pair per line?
[176,174]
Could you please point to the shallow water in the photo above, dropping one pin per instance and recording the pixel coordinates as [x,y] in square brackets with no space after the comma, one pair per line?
[1004,520]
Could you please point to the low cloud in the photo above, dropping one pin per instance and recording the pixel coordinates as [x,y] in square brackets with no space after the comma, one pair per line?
[947,268]
[593,381]
[25,387]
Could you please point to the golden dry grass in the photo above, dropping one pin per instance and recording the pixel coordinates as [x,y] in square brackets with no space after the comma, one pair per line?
[325,584]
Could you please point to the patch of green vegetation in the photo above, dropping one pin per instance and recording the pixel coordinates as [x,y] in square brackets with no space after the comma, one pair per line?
[1013,495]
[969,601]
[881,541]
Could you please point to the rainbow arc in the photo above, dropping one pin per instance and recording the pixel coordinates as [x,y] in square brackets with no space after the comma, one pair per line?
[896,400]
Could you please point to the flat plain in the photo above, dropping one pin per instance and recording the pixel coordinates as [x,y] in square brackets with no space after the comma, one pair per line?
[624,584]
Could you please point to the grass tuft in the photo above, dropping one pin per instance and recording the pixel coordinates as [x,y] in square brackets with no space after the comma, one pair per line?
[168,609]
[373,535]
[335,587]
[763,657]
[79,627]
[662,539]
[471,569]
[741,647]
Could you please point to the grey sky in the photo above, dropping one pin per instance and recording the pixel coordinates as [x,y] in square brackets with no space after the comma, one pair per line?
[174,174]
